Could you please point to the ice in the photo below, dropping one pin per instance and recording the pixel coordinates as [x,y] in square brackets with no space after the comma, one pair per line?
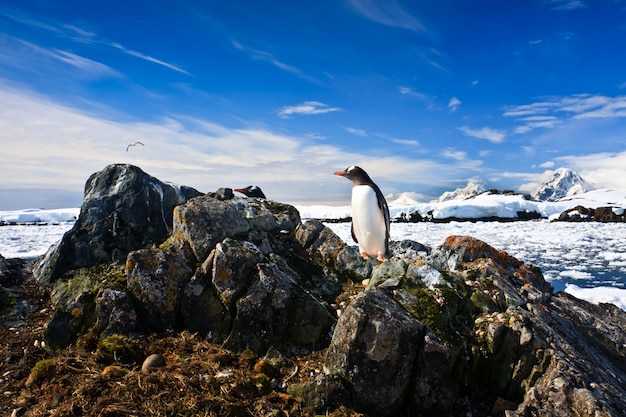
[32,241]
[39,216]
[585,259]
[599,294]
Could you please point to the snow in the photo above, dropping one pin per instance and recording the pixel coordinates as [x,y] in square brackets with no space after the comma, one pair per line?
[484,205]
[39,216]
[587,260]
[599,294]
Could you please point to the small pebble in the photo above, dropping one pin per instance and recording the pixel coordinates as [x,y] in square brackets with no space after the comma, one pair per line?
[152,362]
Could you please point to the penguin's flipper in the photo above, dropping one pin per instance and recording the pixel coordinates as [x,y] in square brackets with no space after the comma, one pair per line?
[382,204]
[352,232]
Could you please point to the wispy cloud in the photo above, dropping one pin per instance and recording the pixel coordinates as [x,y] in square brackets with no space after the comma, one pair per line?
[358,132]
[271,58]
[405,142]
[363,132]
[567,4]
[148,58]
[83,36]
[454,154]
[552,111]
[411,92]
[492,135]
[408,91]
[388,13]
[29,57]
[306,108]
[535,122]
[454,104]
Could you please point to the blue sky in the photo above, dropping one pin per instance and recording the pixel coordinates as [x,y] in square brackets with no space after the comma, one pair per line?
[425,96]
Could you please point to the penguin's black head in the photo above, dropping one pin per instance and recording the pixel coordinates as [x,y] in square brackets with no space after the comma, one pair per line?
[251,191]
[355,174]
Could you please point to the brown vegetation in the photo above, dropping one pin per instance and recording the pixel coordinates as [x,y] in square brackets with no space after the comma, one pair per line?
[104,377]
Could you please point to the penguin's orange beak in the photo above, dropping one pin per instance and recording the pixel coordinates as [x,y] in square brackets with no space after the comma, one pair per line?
[340,173]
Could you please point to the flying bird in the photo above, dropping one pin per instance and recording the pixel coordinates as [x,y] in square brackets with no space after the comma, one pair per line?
[370,214]
[134,144]
[251,191]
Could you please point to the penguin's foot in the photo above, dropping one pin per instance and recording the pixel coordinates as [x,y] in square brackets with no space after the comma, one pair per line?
[381,257]
[364,255]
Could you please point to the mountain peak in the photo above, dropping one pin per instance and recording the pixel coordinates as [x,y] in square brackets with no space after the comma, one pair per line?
[564,182]
[472,189]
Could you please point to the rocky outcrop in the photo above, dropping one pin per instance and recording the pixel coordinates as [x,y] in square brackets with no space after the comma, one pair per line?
[460,329]
[232,270]
[13,273]
[124,209]
[599,214]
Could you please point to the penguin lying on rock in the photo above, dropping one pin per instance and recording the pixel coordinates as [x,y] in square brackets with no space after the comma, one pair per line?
[251,191]
[370,214]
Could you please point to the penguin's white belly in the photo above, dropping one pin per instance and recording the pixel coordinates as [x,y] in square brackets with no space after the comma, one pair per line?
[368,221]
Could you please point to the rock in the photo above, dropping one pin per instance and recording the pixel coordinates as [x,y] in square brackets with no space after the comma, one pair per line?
[74,309]
[275,312]
[327,392]
[222,194]
[115,314]
[13,271]
[124,209]
[598,214]
[152,363]
[157,278]
[373,349]
[460,329]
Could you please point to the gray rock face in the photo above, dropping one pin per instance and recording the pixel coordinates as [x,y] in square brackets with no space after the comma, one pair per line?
[373,349]
[232,270]
[124,209]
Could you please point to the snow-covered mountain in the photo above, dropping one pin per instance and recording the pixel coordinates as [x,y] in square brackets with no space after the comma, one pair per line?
[563,183]
[472,189]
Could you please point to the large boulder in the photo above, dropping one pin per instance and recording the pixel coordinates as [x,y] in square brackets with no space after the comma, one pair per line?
[374,347]
[124,209]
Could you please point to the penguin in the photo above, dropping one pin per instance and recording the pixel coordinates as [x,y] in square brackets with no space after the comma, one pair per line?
[251,191]
[370,214]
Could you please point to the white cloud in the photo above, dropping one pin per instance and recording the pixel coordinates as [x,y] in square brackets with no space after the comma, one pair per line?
[388,13]
[411,92]
[307,108]
[63,146]
[27,56]
[568,4]
[454,104]
[553,111]
[260,55]
[148,58]
[406,142]
[492,135]
[600,170]
[603,170]
[454,154]
[83,36]
[359,132]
